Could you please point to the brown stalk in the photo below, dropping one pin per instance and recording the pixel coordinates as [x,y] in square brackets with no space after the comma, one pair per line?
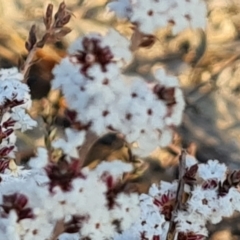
[180,194]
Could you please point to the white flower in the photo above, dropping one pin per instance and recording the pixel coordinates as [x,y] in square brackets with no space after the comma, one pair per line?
[131,233]
[29,228]
[120,46]
[212,169]
[232,199]
[164,188]
[184,15]
[98,228]
[126,205]
[151,15]
[87,197]
[164,79]
[115,168]
[151,222]
[68,236]
[23,120]
[11,226]
[153,226]
[10,73]
[122,8]
[203,201]
[226,204]
[58,200]
[103,98]
[74,139]
[191,222]
[18,174]
[11,87]
[41,160]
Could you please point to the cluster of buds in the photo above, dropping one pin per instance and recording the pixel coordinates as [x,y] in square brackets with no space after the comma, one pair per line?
[55,30]
[55,27]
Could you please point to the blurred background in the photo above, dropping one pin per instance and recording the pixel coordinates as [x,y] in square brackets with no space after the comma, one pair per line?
[207,64]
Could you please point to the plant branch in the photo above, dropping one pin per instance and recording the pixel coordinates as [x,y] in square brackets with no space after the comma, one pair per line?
[180,192]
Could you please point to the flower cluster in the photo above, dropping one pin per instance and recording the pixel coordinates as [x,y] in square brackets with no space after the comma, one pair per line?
[210,194]
[57,199]
[86,203]
[104,99]
[74,139]
[14,101]
[156,209]
[148,16]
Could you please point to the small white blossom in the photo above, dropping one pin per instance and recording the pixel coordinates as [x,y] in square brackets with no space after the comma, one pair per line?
[122,9]
[11,87]
[23,120]
[190,160]
[74,139]
[191,222]
[41,160]
[50,206]
[120,46]
[68,236]
[212,169]
[115,168]
[203,201]
[103,98]
[126,205]
[152,15]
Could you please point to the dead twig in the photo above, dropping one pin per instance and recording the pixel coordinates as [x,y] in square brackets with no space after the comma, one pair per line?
[180,194]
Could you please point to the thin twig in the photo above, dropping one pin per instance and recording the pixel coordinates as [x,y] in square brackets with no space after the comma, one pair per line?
[179,198]
[28,63]
[182,169]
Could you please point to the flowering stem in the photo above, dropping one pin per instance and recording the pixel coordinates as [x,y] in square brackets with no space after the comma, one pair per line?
[179,197]
[28,63]
[182,169]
